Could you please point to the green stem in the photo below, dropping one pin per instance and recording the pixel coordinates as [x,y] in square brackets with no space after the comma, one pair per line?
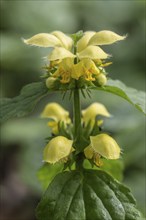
[77,120]
[77,112]
[77,127]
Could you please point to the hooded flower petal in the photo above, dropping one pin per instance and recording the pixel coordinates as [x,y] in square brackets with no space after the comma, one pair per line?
[83,42]
[93,52]
[105,146]
[90,113]
[89,152]
[60,53]
[57,149]
[43,40]
[105,37]
[66,41]
[86,68]
[56,112]
[65,69]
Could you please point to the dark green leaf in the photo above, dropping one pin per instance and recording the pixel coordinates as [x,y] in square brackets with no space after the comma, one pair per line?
[23,104]
[136,98]
[91,195]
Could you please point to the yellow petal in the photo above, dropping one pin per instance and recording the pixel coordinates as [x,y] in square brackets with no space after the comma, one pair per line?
[90,113]
[43,40]
[90,65]
[54,126]
[77,71]
[106,146]
[67,63]
[57,149]
[97,160]
[66,41]
[82,43]
[56,112]
[88,151]
[65,70]
[105,37]
[92,52]
[60,53]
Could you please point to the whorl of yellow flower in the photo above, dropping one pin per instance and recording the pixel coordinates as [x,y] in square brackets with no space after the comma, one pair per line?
[58,149]
[87,49]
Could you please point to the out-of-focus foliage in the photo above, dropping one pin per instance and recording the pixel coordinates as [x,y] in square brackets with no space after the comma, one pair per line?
[21,64]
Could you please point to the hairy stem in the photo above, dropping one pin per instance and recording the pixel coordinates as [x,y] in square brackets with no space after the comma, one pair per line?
[77,112]
[77,120]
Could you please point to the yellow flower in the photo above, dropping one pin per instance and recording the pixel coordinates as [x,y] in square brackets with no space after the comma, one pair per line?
[86,68]
[65,70]
[102,145]
[89,114]
[58,114]
[58,149]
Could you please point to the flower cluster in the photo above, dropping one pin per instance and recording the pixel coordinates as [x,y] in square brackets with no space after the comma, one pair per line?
[60,147]
[76,57]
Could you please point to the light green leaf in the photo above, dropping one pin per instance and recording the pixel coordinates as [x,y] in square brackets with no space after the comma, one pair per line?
[86,196]
[47,172]
[23,104]
[136,98]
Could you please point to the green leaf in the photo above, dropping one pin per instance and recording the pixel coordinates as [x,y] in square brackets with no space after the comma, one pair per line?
[47,172]
[23,104]
[114,168]
[136,98]
[91,195]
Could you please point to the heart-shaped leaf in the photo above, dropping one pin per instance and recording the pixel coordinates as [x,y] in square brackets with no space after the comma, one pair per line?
[135,97]
[23,104]
[87,195]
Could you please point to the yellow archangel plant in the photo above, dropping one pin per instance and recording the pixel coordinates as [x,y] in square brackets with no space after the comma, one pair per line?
[79,140]
[79,60]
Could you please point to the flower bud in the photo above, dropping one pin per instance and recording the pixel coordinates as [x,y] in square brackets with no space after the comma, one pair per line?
[102,80]
[50,82]
[58,149]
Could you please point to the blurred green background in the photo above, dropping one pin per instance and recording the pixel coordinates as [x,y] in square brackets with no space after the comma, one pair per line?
[23,139]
